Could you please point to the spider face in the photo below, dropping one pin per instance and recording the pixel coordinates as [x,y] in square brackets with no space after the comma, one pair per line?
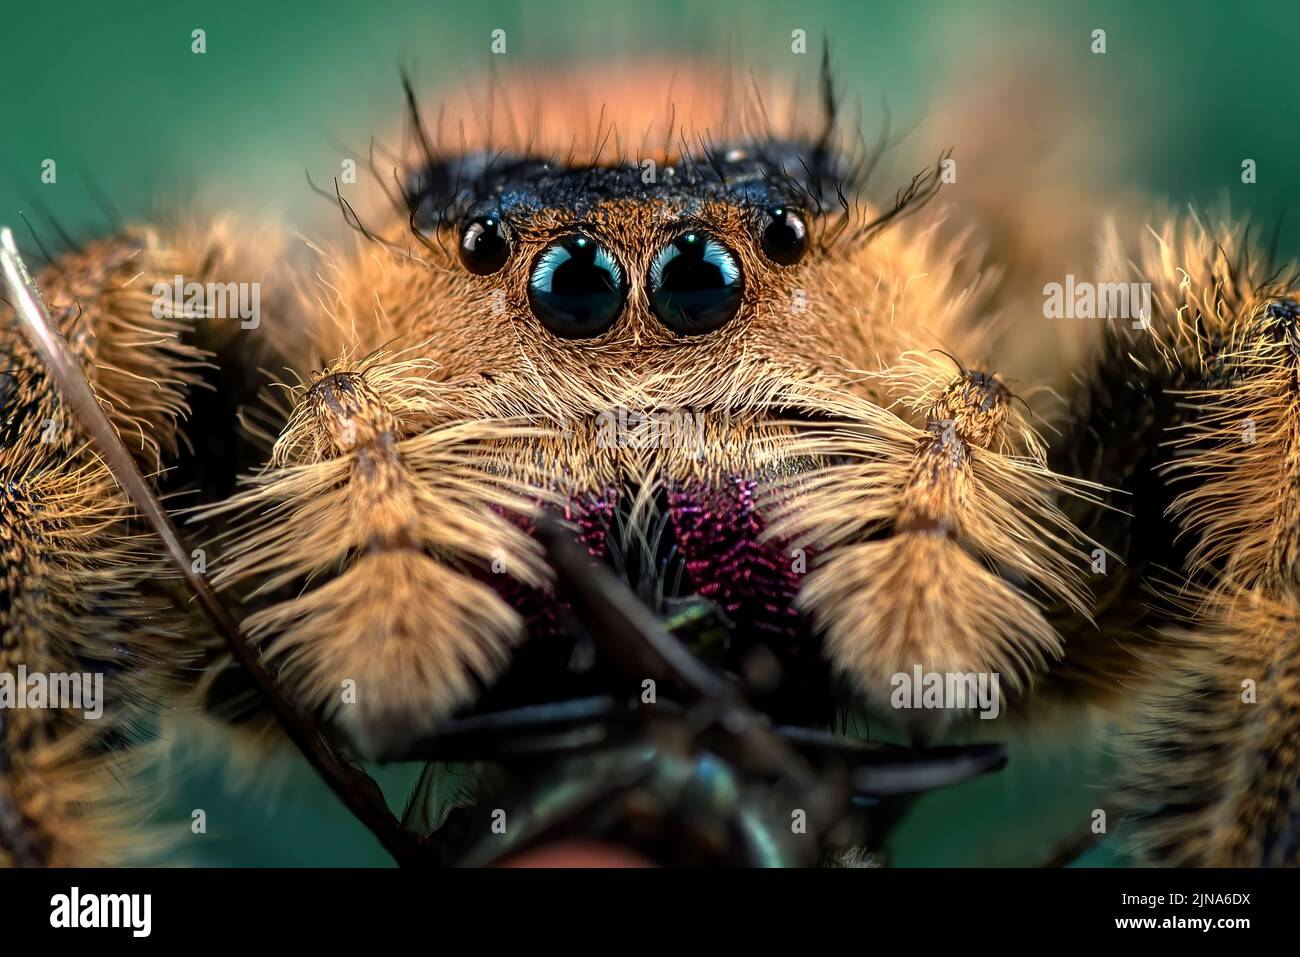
[662,256]
[661,319]
[670,328]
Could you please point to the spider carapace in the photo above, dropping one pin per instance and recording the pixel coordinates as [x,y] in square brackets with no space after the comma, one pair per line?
[680,325]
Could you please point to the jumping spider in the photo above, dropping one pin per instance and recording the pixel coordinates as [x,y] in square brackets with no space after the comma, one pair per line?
[871,497]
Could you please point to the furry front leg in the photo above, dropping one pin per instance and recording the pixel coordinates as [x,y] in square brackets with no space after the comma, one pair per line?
[363,539]
[940,544]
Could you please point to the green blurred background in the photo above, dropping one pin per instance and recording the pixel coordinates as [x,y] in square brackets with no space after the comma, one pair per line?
[1185,91]
[113,91]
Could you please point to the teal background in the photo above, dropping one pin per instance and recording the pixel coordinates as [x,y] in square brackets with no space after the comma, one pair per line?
[113,93]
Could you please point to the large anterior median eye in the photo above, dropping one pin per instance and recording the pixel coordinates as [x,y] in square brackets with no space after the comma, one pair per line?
[576,288]
[695,284]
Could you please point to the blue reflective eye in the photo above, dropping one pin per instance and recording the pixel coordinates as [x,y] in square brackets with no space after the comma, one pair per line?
[576,288]
[695,284]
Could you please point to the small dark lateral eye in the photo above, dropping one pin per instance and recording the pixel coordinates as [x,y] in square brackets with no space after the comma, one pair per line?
[785,238]
[577,288]
[483,246]
[695,284]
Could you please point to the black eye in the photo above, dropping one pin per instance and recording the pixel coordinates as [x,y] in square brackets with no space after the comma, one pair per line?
[576,288]
[785,239]
[483,246]
[695,284]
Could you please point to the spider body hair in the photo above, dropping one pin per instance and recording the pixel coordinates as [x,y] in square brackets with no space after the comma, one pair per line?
[84,587]
[1214,763]
[1212,753]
